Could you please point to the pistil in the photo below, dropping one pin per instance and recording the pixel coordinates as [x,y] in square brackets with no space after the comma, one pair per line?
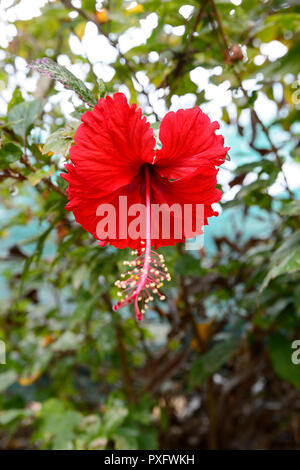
[149,270]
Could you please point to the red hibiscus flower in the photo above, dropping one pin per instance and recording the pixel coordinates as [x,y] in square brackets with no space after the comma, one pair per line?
[114,156]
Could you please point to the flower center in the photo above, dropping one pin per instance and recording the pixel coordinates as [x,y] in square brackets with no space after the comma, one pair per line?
[149,270]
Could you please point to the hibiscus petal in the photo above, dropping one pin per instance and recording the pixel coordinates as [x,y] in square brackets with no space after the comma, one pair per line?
[188,140]
[112,143]
[196,188]
[84,202]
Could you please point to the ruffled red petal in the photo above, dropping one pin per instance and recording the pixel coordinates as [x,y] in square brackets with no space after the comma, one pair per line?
[112,143]
[196,188]
[84,202]
[188,140]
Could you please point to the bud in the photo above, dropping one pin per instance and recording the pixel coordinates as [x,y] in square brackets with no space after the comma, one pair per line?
[102,88]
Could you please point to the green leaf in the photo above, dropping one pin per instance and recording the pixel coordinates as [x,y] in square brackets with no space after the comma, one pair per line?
[7,416]
[126,438]
[285,260]
[38,175]
[189,265]
[212,361]
[291,208]
[60,141]
[148,439]
[33,370]
[15,99]
[78,112]
[58,425]
[9,153]
[22,115]
[68,341]
[79,276]
[7,379]
[89,5]
[280,352]
[51,69]
[91,424]
[114,416]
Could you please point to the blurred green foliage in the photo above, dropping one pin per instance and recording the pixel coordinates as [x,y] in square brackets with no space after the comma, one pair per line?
[212,367]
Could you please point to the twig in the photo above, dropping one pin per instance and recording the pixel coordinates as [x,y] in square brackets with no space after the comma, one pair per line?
[211,410]
[179,69]
[194,28]
[8,173]
[187,312]
[218,19]
[25,160]
[45,180]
